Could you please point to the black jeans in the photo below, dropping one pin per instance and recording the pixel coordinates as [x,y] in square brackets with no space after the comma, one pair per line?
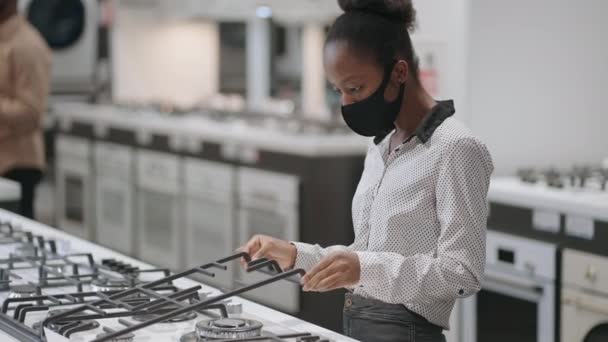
[28,178]
[371,320]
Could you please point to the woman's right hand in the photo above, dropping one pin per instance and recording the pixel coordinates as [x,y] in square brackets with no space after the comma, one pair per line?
[262,246]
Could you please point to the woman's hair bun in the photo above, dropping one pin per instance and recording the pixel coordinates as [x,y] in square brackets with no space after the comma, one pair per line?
[397,10]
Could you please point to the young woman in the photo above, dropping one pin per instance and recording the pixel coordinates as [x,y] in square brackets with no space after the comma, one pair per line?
[419,212]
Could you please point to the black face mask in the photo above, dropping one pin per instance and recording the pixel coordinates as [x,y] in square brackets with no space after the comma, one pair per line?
[373,116]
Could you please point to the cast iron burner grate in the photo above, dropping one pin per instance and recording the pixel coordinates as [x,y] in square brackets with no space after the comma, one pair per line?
[167,306]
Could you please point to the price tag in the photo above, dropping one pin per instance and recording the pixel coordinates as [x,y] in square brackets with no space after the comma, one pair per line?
[249,155]
[546,220]
[194,145]
[229,151]
[101,130]
[581,227]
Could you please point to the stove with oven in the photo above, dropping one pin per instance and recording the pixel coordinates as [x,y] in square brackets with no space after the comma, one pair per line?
[567,208]
[51,292]
[562,210]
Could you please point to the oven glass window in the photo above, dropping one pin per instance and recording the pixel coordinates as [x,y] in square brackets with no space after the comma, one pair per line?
[74,197]
[266,223]
[210,224]
[60,22]
[597,334]
[113,207]
[501,318]
[158,218]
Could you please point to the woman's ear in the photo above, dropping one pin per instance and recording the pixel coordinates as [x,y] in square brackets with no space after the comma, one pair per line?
[402,70]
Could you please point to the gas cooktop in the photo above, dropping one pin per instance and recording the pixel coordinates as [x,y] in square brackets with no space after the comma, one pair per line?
[49,293]
[577,178]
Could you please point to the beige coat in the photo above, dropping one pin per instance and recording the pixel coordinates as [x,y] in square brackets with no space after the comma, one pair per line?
[25,63]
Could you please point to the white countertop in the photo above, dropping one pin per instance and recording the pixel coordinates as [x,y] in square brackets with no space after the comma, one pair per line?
[9,190]
[512,191]
[99,252]
[194,127]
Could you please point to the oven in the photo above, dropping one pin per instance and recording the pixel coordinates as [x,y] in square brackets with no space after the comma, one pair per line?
[454,334]
[74,179]
[210,216]
[584,297]
[517,300]
[159,209]
[268,204]
[115,197]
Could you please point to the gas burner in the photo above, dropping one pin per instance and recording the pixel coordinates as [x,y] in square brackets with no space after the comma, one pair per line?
[119,266]
[105,284]
[528,175]
[176,319]
[23,291]
[82,325]
[228,328]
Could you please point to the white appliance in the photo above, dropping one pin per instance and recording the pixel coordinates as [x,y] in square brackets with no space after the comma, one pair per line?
[237,10]
[584,297]
[115,196]
[69,248]
[453,335]
[70,28]
[268,204]
[159,208]
[10,194]
[210,215]
[517,301]
[74,181]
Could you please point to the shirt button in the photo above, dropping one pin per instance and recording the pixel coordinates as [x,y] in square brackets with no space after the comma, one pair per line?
[461,292]
[348,302]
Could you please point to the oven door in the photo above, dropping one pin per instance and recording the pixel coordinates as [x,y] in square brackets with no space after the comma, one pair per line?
[158,227]
[60,22]
[598,333]
[209,236]
[281,224]
[74,197]
[510,308]
[114,214]
[584,316]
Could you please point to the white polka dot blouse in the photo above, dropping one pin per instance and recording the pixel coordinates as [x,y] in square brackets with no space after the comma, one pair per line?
[419,215]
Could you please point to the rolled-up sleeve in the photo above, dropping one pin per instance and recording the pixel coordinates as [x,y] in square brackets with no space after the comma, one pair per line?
[457,268]
[22,111]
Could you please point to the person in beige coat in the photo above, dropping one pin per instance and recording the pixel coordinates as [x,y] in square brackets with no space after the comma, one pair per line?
[25,63]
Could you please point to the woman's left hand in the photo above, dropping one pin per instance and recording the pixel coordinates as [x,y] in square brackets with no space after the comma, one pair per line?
[334,271]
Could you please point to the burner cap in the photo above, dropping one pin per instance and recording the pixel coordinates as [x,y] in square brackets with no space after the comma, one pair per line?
[227,328]
[229,323]
[181,318]
[22,291]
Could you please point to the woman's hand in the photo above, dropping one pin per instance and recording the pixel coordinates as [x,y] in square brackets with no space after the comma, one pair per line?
[334,271]
[262,246]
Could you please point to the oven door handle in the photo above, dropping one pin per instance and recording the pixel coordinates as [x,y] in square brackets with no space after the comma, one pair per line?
[525,285]
[582,304]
